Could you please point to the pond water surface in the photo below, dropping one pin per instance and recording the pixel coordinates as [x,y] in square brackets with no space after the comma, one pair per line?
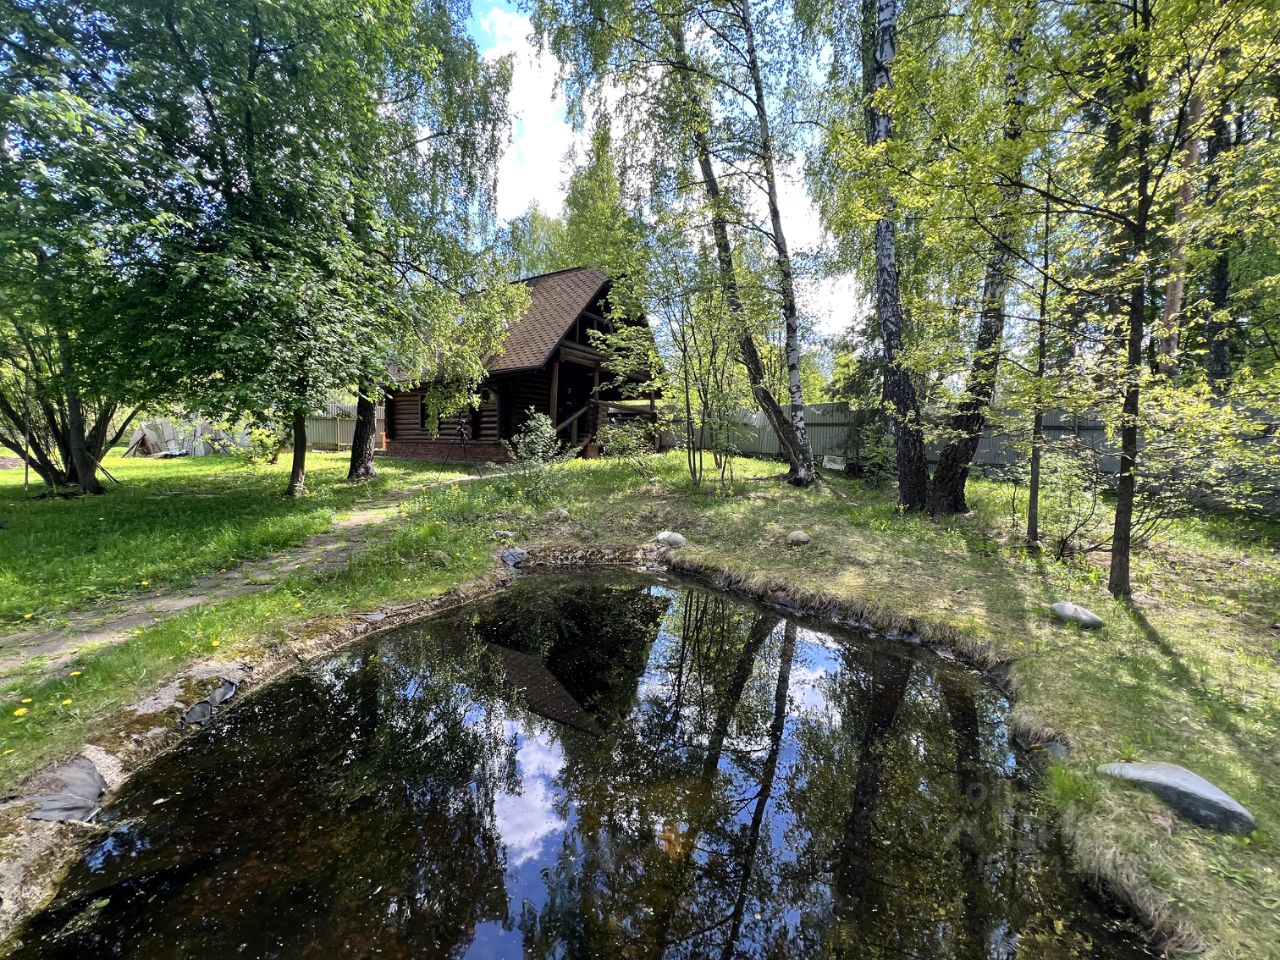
[591,767]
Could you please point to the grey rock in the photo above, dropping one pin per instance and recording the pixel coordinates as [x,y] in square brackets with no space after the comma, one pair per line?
[441,558]
[197,716]
[513,556]
[1192,796]
[798,538]
[373,617]
[585,535]
[223,692]
[558,515]
[671,540]
[504,534]
[1074,613]
[61,807]
[81,785]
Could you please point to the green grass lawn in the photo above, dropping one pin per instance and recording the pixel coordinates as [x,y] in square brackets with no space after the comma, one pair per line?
[167,522]
[1189,673]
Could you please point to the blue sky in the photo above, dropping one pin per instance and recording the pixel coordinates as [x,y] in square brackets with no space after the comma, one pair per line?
[533,168]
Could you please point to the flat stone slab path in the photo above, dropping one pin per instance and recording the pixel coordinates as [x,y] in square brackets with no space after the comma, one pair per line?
[116,620]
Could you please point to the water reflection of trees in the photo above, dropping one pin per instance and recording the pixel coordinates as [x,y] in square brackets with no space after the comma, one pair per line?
[723,819]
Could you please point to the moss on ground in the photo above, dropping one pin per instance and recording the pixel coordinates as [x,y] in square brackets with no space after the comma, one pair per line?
[1190,672]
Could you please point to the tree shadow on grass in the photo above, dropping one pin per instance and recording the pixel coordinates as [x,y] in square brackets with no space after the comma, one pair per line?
[1214,707]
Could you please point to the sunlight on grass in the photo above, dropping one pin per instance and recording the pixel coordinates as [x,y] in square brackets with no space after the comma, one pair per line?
[167,522]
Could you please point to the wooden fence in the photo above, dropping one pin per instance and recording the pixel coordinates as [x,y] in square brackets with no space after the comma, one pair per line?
[334,427]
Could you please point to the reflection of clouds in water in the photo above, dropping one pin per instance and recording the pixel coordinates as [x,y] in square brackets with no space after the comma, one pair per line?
[816,662]
[526,819]
[808,690]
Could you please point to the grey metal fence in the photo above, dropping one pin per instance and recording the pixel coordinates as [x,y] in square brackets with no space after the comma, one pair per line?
[837,431]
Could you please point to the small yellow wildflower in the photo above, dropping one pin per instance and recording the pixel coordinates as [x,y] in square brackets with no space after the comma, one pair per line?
[215,643]
[27,616]
[76,673]
[7,752]
[20,712]
[66,703]
[222,569]
[297,606]
[26,699]
[145,583]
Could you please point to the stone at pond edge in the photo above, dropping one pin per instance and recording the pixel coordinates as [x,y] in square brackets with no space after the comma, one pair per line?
[513,556]
[504,534]
[223,692]
[798,538]
[197,716]
[671,539]
[1074,613]
[82,785]
[1192,796]
[559,514]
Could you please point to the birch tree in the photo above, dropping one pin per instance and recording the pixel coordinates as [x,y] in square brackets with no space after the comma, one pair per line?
[692,76]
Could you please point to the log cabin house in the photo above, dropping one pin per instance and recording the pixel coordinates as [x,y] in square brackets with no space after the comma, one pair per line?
[547,362]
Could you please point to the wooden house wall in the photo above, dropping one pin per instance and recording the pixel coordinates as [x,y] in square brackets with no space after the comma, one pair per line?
[518,393]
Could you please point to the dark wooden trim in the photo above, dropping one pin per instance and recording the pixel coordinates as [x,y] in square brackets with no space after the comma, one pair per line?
[555,388]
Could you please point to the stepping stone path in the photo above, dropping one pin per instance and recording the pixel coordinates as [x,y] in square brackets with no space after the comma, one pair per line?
[115,622]
[1073,613]
[1192,796]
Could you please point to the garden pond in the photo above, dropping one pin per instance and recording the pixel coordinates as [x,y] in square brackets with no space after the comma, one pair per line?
[615,766]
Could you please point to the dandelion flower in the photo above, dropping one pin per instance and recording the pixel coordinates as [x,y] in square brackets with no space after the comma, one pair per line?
[297,606]
[66,703]
[20,712]
[215,643]
[76,673]
[27,616]
[26,699]
[145,583]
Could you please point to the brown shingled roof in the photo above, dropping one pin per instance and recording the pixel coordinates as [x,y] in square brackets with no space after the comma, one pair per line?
[555,300]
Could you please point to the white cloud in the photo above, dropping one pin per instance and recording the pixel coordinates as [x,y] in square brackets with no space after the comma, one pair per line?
[532,168]
[528,818]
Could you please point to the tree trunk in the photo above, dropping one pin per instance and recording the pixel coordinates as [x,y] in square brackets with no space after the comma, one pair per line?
[364,437]
[1122,533]
[767,775]
[947,493]
[298,472]
[1175,292]
[1042,350]
[1217,331]
[783,427]
[889,678]
[79,458]
[802,469]
[899,391]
